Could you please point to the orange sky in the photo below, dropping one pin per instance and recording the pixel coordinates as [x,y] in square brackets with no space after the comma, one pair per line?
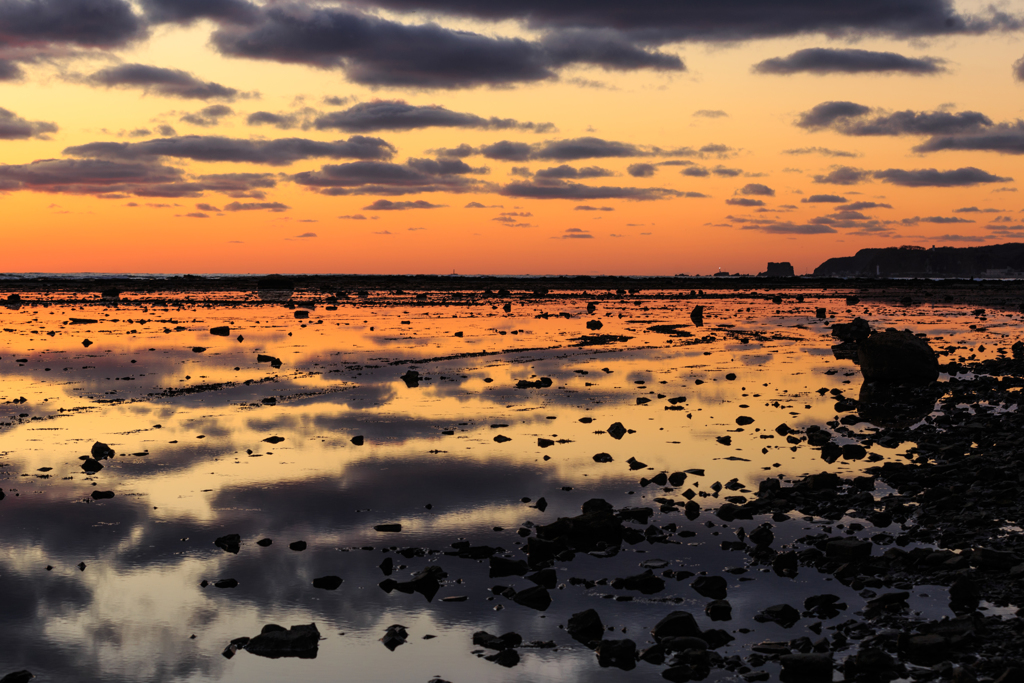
[645,88]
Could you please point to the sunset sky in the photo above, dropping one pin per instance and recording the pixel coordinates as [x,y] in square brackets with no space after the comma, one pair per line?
[531,137]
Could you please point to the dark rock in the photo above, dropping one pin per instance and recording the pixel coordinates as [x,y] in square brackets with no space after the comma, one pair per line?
[697,316]
[198,349]
[783,615]
[812,667]
[411,379]
[597,530]
[22,676]
[542,383]
[616,431]
[273,439]
[676,624]
[585,626]
[500,567]
[744,420]
[101,495]
[544,443]
[264,542]
[394,636]
[505,658]
[718,610]
[534,597]
[635,464]
[714,587]
[388,528]
[855,331]
[328,583]
[101,450]
[646,582]
[677,478]
[897,356]
[426,582]
[226,583]
[297,546]
[820,313]
[762,536]
[492,642]
[848,549]
[357,440]
[618,653]
[91,466]
[500,438]
[545,577]
[594,325]
[602,457]
[220,331]
[230,543]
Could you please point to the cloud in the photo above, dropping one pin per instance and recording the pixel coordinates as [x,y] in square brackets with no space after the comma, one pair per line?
[368,117]
[10,71]
[1004,138]
[276,207]
[843,175]
[1018,69]
[862,206]
[577,234]
[823,198]
[375,51]
[196,214]
[282,121]
[207,207]
[306,235]
[279,152]
[710,113]
[586,148]
[824,151]
[641,170]
[585,207]
[696,172]
[558,189]
[160,81]
[698,20]
[356,217]
[757,189]
[375,177]
[97,177]
[961,238]
[460,152]
[187,11]
[723,172]
[478,205]
[507,151]
[742,201]
[387,205]
[208,116]
[774,227]
[849,118]
[822,61]
[939,220]
[13,127]
[84,23]
[974,209]
[929,177]
[568,172]
[238,185]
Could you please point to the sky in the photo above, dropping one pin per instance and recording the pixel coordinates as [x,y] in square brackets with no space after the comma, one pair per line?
[537,137]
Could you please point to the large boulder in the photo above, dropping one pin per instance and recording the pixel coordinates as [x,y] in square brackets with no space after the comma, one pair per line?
[897,356]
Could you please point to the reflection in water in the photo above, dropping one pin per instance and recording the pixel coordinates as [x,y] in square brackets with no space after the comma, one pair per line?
[386,412]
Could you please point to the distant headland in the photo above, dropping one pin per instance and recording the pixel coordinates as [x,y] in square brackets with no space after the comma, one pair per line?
[993,261]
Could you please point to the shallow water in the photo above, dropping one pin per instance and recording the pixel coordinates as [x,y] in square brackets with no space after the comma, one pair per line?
[189,429]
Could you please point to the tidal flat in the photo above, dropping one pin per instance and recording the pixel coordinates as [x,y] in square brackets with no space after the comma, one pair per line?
[505,485]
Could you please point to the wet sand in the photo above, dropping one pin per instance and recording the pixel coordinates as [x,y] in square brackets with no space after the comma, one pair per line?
[422,438]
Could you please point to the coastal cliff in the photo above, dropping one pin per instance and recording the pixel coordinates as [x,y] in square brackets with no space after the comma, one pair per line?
[997,260]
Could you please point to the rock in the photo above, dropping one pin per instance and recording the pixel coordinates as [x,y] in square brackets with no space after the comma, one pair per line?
[783,615]
[505,658]
[264,542]
[618,653]
[493,642]
[646,582]
[327,583]
[897,356]
[230,543]
[718,610]
[86,343]
[297,546]
[820,313]
[635,464]
[301,315]
[101,495]
[22,676]
[357,440]
[781,269]
[714,587]
[744,420]
[91,466]
[585,626]
[724,440]
[616,431]
[394,636]
[855,331]
[677,478]
[542,383]
[924,649]
[676,624]
[501,567]
[226,583]
[221,331]
[545,577]
[596,530]
[697,316]
[411,379]
[602,457]
[544,443]
[101,450]
[426,582]
[388,528]
[198,349]
[762,536]
[812,667]
[594,325]
[534,597]
[848,549]
[500,438]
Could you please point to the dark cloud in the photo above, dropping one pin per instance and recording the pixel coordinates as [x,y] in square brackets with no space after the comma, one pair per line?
[387,205]
[710,113]
[757,189]
[355,217]
[85,23]
[375,177]
[276,207]
[566,172]
[161,81]
[208,116]
[166,131]
[823,198]
[696,172]
[827,113]
[96,176]
[1004,138]
[961,238]
[379,52]
[13,127]
[585,207]
[10,71]
[577,234]
[282,121]
[654,21]
[723,172]
[507,151]
[843,175]
[775,227]
[929,177]
[196,214]
[336,101]
[207,207]
[278,152]
[939,220]
[1018,69]
[586,148]
[824,151]
[367,117]
[974,209]
[861,206]
[238,185]
[460,152]
[743,201]
[849,118]
[818,60]
[641,170]
[187,11]
[558,189]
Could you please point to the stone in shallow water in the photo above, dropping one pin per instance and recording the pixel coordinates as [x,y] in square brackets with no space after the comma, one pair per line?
[897,356]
